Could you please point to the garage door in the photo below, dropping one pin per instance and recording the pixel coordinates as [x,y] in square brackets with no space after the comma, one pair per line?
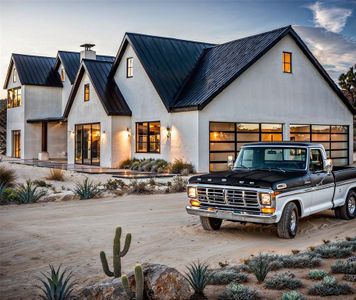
[227,138]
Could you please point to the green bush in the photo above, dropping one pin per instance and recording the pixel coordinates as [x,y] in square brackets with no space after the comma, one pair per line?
[178,165]
[350,242]
[349,277]
[139,187]
[260,266]
[7,177]
[292,295]
[227,275]
[28,193]
[344,267]
[333,251]
[317,274]
[57,285]
[198,277]
[7,195]
[115,184]
[87,189]
[179,184]
[283,281]
[235,291]
[330,287]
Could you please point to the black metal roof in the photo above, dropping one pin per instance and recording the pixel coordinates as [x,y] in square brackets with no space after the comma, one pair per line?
[34,70]
[71,62]
[167,61]
[108,92]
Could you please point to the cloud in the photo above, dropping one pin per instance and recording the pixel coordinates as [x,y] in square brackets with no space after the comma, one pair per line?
[335,52]
[332,19]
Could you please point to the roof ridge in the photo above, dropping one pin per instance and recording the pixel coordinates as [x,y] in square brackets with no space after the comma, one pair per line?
[30,55]
[97,61]
[169,38]
[76,52]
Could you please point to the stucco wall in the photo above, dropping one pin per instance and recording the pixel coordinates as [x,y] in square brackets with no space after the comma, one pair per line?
[121,139]
[67,86]
[57,140]
[265,94]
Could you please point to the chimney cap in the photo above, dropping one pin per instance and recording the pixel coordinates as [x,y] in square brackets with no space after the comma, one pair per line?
[87,46]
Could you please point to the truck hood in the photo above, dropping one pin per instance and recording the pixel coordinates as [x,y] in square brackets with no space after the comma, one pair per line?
[253,178]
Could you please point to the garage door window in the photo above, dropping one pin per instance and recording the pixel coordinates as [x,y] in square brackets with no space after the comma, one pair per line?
[227,138]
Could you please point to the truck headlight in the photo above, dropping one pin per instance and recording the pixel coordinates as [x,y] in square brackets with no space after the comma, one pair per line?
[266,199]
[192,192]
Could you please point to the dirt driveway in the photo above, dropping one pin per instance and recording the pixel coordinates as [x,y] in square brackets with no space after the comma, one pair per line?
[73,233]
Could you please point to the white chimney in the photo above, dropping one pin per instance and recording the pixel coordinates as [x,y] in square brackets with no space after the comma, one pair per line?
[87,53]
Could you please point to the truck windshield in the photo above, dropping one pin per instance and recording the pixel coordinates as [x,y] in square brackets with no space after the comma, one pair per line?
[281,158]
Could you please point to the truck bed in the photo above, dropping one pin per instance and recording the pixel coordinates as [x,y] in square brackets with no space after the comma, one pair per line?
[344,173]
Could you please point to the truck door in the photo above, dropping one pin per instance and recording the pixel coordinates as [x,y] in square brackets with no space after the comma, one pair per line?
[322,183]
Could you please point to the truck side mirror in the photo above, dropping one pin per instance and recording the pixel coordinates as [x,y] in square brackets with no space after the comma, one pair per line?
[328,167]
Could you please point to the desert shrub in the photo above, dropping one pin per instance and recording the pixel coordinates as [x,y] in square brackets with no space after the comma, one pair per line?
[135,165]
[7,177]
[344,267]
[283,281]
[7,195]
[236,291]
[333,251]
[56,175]
[152,182]
[227,275]
[300,261]
[330,287]
[351,242]
[198,277]
[349,277]
[115,184]
[41,183]
[179,184]
[87,189]
[260,266]
[292,295]
[57,285]
[317,274]
[139,187]
[28,193]
[127,164]
[178,165]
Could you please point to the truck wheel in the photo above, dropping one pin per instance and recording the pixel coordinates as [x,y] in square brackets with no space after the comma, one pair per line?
[287,226]
[348,210]
[210,223]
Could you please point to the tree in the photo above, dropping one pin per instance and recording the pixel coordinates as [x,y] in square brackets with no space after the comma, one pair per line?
[347,82]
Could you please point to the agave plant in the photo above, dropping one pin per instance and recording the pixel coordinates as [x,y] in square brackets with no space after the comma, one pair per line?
[260,266]
[87,189]
[198,277]
[56,285]
[29,193]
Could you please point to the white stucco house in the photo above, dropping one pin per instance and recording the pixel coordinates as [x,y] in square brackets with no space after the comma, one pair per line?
[170,98]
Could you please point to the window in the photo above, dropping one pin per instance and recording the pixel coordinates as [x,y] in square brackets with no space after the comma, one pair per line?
[334,138]
[287,62]
[129,67]
[148,137]
[86,92]
[226,140]
[316,160]
[14,75]
[14,98]
[63,74]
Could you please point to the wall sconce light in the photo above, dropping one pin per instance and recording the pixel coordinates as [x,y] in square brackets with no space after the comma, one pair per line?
[71,132]
[128,132]
[168,132]
[103,131]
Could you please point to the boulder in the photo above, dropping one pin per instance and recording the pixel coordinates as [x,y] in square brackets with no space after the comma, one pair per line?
[62,196]
[161,283]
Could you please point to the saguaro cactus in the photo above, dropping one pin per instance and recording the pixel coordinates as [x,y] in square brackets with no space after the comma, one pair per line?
[138,295]
[117,254]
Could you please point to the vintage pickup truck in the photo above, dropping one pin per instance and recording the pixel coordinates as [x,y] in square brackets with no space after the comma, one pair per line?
[274,183]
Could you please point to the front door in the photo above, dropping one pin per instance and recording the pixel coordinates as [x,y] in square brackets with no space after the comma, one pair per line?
[87,144]
[16,143]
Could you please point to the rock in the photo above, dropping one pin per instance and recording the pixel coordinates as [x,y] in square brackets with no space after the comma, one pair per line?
[62,196]
[161,283]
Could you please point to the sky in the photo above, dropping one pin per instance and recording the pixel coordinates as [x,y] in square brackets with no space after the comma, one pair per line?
[44,27]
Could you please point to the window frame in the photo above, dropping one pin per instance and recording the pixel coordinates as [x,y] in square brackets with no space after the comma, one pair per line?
[290,63]
[14,75]
[148,137]
[86,86]
[129,67]
[15,98]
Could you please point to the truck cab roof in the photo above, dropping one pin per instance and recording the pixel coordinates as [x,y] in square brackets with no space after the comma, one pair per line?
[287,143]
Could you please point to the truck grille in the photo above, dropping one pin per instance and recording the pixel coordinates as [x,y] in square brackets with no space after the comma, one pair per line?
[241,199]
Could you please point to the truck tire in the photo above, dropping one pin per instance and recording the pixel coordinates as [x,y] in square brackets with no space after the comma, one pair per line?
[348,210]
[287,226]
[210,224]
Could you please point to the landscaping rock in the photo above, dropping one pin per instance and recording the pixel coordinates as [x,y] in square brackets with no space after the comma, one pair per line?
[62,196]
[109,289]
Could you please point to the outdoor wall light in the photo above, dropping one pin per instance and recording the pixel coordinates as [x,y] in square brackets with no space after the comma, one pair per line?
[128,132]
[103,132]
[168,132]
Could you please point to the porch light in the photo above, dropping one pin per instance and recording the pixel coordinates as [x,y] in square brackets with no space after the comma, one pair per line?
[168,132]
[128,132]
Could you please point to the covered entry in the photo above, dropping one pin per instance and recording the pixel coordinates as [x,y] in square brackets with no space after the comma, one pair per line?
[87,144]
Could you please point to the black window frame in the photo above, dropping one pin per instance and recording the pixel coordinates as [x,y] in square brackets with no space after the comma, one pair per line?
[16,101]
[148,137]
[286,63]
[129,67]
[87,85]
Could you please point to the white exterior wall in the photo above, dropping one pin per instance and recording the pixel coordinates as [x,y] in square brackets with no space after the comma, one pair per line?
[57,140]
[265,94]
[91,111]
[121,140]
[67,86]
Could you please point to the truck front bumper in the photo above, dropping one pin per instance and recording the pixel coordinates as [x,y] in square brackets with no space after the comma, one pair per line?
[232,215]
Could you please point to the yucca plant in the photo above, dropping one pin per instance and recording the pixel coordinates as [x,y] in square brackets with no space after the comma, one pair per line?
[28,193]
[56,175]
[7,177]
[56,285]
[260,266]
[198,277]
[87,189]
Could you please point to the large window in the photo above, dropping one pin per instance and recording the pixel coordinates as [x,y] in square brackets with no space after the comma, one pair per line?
[14,98]
[86,92]
[129,67]
[148,137]
[287,62]
[334,138]
[226,140]
[87,144]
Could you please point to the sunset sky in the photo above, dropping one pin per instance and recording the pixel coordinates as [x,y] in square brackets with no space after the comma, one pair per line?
[44,27]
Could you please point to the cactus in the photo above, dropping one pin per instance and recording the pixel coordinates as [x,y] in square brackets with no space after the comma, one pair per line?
[139,284]
[117,254]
